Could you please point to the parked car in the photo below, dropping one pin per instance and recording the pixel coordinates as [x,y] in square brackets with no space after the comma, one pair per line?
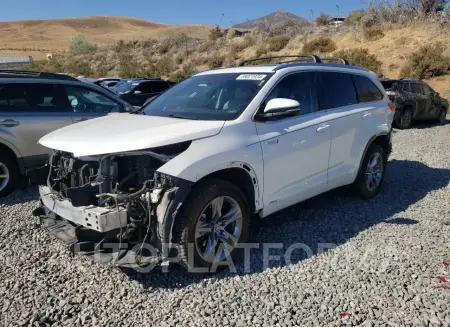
[34,104]
[415,100]
[214,151]
[137,91]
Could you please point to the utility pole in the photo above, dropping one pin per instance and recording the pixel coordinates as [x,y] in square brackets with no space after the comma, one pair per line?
[312,14]
[221,19]
[337,9]
[248,23]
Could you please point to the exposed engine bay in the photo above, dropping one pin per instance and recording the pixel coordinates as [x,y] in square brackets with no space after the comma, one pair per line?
[115,198]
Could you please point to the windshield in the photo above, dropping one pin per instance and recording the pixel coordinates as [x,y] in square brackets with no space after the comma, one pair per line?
[208,97]
[125,87]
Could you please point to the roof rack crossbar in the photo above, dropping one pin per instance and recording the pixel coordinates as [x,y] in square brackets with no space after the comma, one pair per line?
[20,73]
[314,58]
[342,60]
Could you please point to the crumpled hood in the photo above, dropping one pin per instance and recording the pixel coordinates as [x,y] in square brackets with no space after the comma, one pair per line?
[127,132]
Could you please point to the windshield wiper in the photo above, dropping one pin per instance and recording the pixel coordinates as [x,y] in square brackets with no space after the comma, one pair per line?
[183,117]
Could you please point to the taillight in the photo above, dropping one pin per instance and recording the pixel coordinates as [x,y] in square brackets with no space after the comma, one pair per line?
[392,106]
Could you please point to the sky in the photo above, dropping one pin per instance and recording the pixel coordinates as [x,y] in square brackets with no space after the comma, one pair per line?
[172,11]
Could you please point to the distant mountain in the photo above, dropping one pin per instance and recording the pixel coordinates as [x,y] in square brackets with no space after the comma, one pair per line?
[272,19]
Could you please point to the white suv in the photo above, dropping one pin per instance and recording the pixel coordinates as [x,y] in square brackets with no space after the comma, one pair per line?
[223,147]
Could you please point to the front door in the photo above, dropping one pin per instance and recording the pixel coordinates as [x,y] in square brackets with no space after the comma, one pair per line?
[27,113]
[295,149]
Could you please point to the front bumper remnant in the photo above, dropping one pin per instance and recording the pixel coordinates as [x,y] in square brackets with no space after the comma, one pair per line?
[97,218]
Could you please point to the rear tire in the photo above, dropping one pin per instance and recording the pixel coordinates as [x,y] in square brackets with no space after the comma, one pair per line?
[9,174]
[371,174]
[442,116]
[198,229]
[405,119]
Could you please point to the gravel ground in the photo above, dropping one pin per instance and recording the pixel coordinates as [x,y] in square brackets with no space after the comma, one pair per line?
[384,263]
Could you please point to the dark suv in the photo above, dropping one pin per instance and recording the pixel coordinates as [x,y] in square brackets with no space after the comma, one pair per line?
[415,100]
[137,91]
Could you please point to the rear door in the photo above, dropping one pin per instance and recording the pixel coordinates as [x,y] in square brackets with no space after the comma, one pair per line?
[433,101]
[421,100]
[338,98]
[29,111]
[86,103]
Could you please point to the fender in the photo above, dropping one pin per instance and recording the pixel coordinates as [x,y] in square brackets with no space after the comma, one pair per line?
[16,153]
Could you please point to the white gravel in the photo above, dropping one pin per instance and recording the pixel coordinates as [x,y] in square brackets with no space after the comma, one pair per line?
[383,271]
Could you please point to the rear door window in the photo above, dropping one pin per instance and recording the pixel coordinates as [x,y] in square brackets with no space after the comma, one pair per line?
[32,97]
[366,89]
[407,87]
[416,88]
[159,87]
[144,87]
[336,90]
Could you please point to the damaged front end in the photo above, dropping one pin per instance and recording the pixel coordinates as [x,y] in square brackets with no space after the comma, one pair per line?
[113,206]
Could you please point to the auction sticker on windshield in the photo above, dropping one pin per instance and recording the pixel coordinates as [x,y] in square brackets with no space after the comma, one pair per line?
[253,77]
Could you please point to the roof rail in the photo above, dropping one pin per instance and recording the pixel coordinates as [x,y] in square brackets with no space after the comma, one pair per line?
[342,60]
[25,73]
[314,58]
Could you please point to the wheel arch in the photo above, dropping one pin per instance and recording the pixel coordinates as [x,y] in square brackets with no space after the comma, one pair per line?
[12,151]
[382,139]
[244,177]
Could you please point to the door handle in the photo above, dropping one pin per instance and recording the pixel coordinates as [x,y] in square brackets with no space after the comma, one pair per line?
[322,128]
[270,142]
[367,115]
[9,123]
[80,120]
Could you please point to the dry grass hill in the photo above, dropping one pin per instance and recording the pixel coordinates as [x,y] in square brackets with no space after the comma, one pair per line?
[37,37]
[128,47]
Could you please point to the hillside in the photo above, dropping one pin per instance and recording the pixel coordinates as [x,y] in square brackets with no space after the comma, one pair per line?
[37,37]
[265,22]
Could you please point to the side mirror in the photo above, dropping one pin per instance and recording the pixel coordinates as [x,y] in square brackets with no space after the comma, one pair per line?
[281,107]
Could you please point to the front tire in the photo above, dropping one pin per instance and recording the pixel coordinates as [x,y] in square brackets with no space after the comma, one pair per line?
[371,174]
[211,224]
[9,174]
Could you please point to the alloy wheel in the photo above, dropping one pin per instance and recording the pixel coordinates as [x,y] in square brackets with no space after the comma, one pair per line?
[218,229]
[4,176]
[374,172]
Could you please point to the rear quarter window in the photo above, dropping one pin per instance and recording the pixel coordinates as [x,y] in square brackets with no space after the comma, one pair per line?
[367,91]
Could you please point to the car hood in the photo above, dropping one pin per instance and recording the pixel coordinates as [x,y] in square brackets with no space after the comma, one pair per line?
[127,132]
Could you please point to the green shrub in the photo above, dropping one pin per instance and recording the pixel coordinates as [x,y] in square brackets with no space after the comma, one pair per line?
[427,62]
[164,65]
[373,33]
[354,17]
[323,20]
[215,60]
[80,45]
[261,50]
[277,43]
[215,33]
[322,44]
[183,73]
[360,57]
[231,33]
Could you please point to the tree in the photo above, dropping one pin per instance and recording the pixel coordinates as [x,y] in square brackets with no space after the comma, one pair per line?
[323,20]
[81,45]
